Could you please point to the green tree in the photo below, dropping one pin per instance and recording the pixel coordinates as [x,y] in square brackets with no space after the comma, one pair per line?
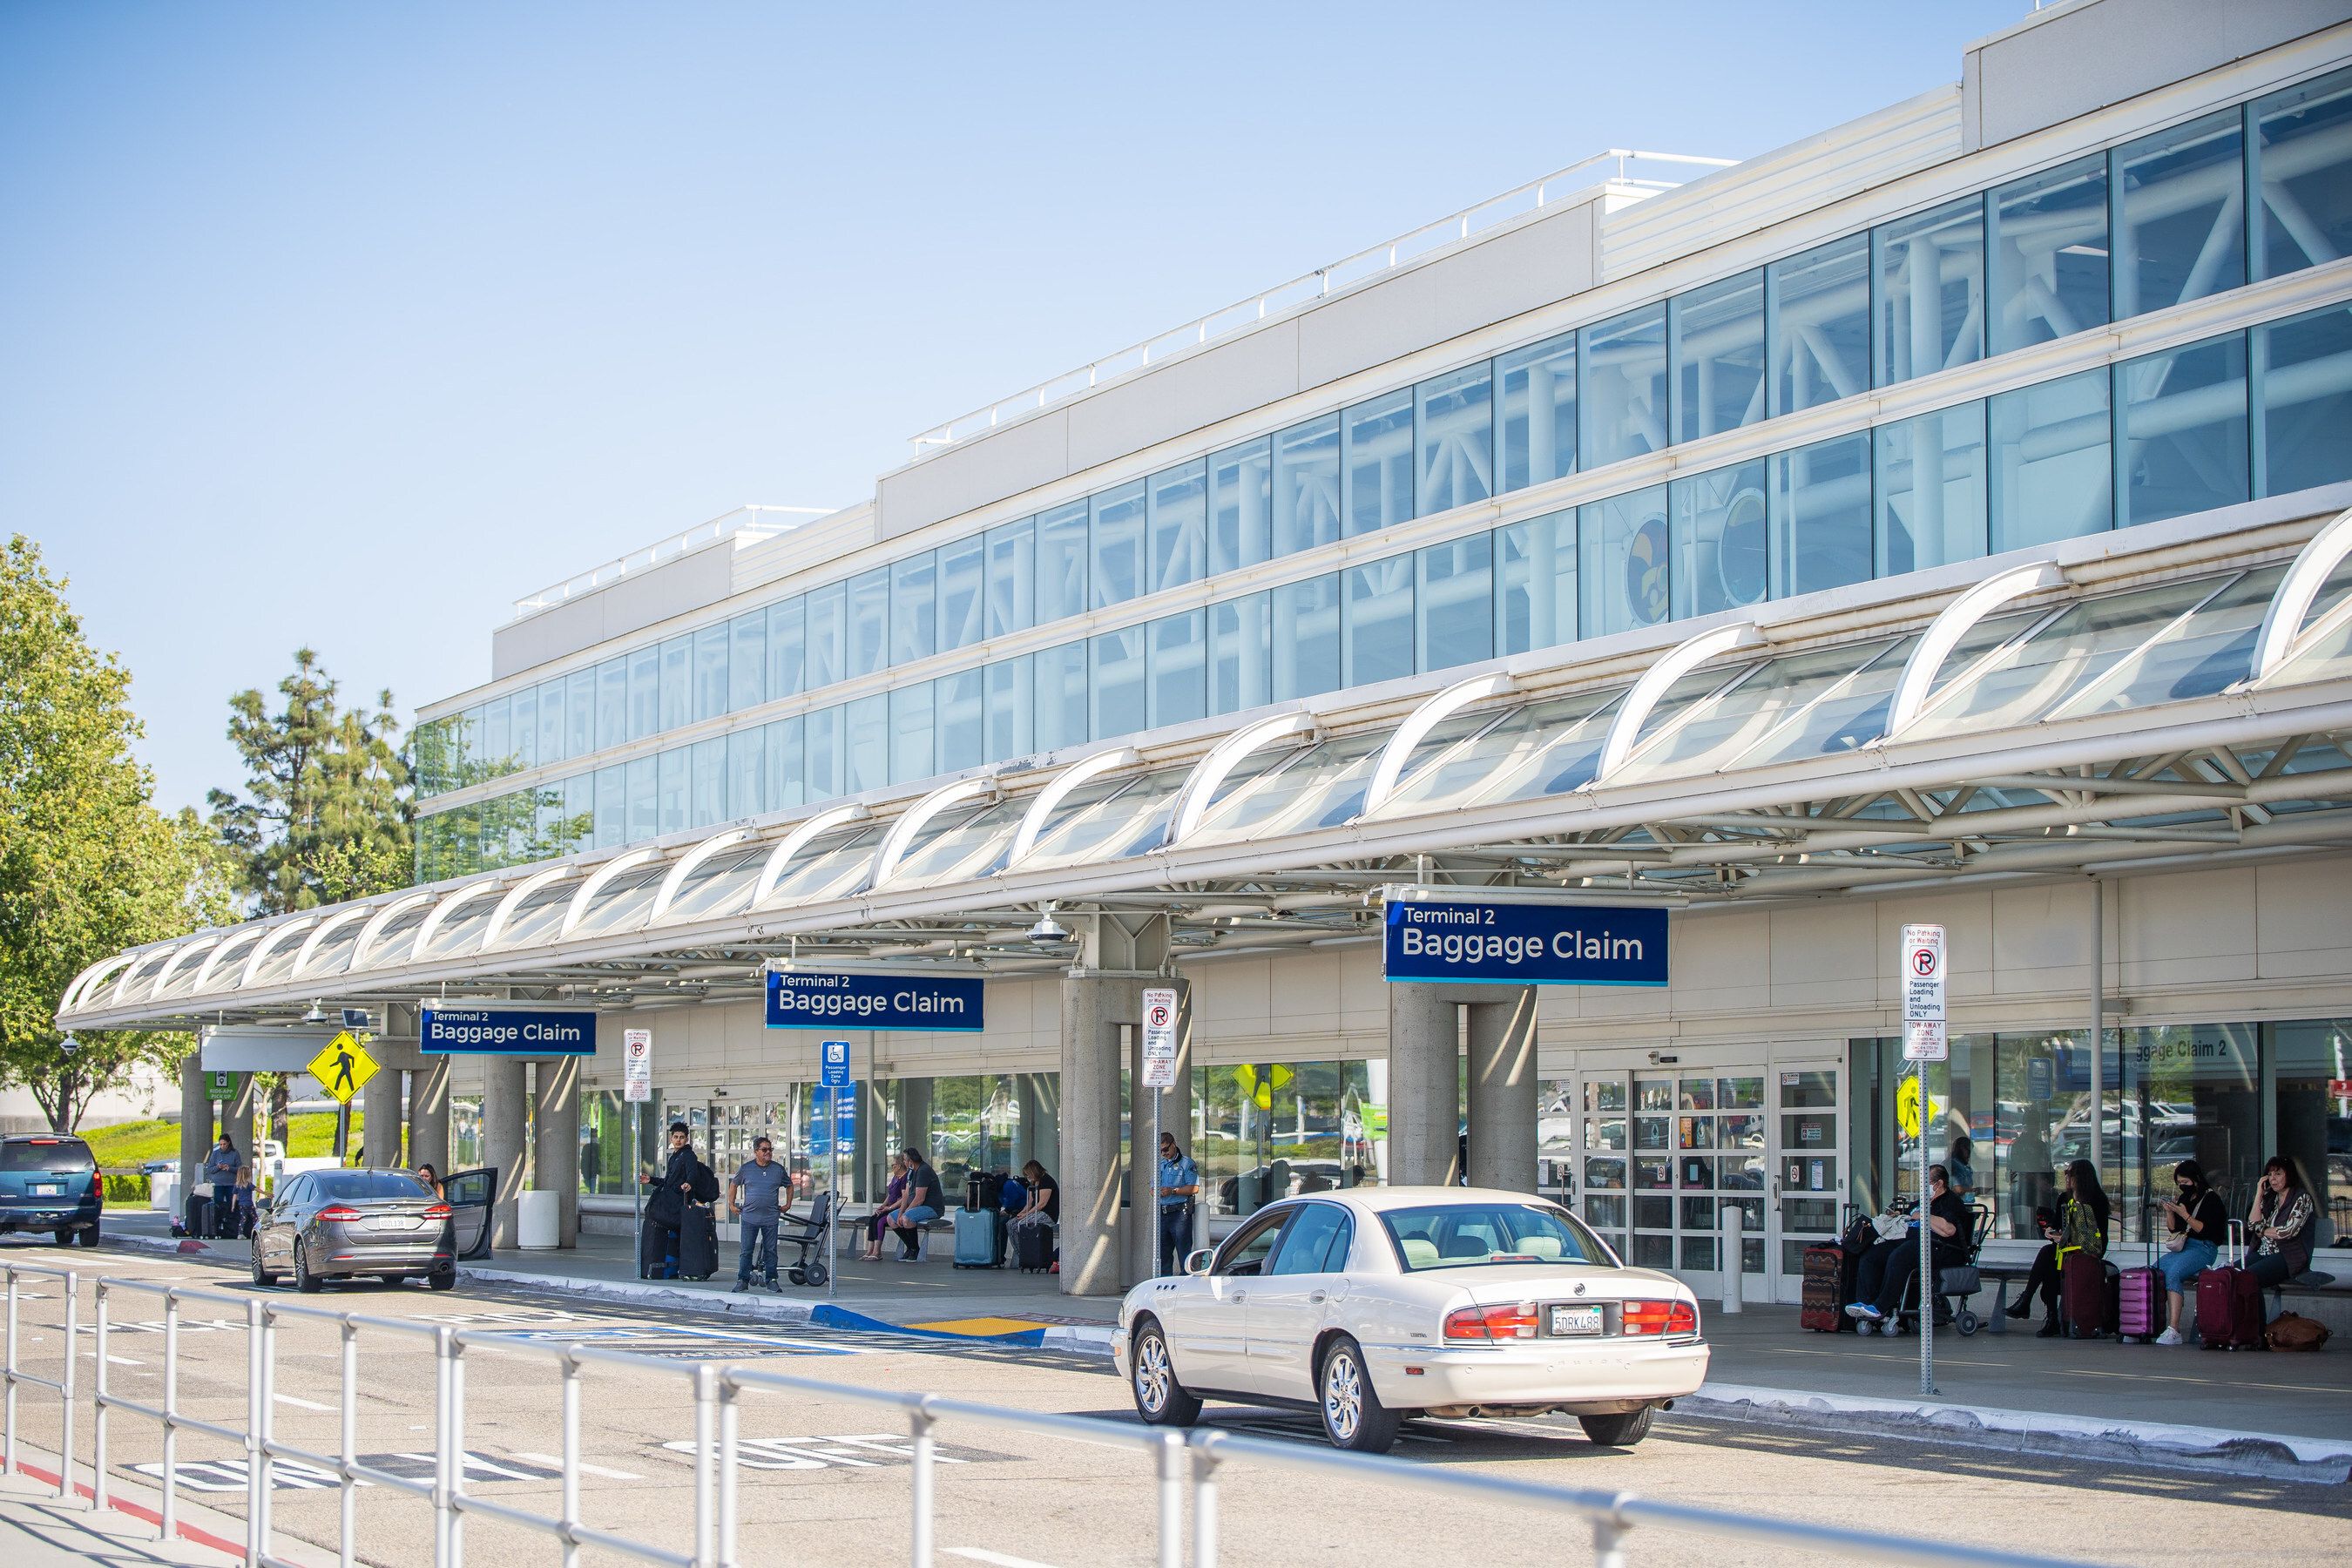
[88,866]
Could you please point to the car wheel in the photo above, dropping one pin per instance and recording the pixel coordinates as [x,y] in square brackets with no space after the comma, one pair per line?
[442,1279]
[1353,1416]
[65,1236]
[1159,1399]
[262,1278]
[90,1235]
[304,1280]
[1618,1431]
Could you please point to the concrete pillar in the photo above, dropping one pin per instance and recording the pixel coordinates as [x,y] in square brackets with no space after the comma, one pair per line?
[914,1117]
[503,1113]
[1045,1141]
[555,1143]
[195,1123]
[428,1116]
[236,1120]
[1503,1092]
[1424,1078]
[379,1126]
[1093,1260]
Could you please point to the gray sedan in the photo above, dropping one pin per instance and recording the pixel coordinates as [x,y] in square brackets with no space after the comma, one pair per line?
[347,1225]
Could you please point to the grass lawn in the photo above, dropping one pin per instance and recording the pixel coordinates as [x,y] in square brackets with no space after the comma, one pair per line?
[129,1144]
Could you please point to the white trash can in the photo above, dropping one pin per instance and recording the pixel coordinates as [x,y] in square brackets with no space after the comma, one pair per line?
[539,1221]
[164,1192]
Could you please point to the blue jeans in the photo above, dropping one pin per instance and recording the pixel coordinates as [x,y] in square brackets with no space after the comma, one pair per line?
[2181,1269]
[1175,1237]
[759,1229]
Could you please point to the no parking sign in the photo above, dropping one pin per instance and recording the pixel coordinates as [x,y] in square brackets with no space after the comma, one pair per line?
[1922,977]
[1160,1038]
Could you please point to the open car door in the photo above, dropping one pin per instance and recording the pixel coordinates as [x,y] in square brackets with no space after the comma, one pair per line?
[468,1195]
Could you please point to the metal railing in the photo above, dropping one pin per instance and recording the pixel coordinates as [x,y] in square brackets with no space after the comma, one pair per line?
[1613,166]
[761,521]
[1183,1463]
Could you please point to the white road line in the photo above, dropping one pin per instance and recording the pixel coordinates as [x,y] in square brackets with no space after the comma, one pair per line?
[555,1462]
[305,1403]
[1001,1559]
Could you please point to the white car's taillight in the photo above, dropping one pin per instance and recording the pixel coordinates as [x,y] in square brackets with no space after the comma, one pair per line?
[1515,1321]
[1659,1317]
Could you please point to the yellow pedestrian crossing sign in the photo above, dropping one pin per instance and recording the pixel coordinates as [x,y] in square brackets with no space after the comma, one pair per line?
[342,1066]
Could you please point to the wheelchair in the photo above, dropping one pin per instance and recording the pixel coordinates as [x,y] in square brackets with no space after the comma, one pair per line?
[1956,1285]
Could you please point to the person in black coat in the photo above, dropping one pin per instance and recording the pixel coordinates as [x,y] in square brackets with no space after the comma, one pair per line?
[684,1178]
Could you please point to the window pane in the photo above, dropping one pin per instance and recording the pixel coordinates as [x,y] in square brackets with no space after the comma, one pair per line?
[710,672]
[1240,663]
[611,806]
[1376,462]
[2049,255]
[498,742]
[961,722]
[1062,562]
[1622,402]
[1716,335]
[1454,438]
[1117,525]
[1821,516]
[612,703]
[1012,577]
[670,791]
[2304,156]
[1119,695]
[747,773]
[708,801]
[524,734]
[1818,308]
[1930,270]
[2306,397]
[747,662]
[551,721]
[914,610]
[962,567]
[579,712]
[2050,476]
[1178,650]
[1306,637]
[910,733]
[787,780]
[1011,709]
[2182,418]
[826,766]
[1454,603]
[2182,232]
[1176,536]
[1623,572]
[1719,540]
[645,692]
[1307,486]
[1062,714]
[1239,494]
[1539,390]
[828,632]
[1377,642]
[866,743]
[1928,516]
[644,818]
[869,621]
[787,639]
[1535,583]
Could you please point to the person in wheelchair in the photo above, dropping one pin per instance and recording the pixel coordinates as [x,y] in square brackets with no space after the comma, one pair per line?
[1888,1269]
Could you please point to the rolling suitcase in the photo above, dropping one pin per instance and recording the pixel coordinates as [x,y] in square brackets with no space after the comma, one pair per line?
[1034,1249]
[2084,1296]
[983,1190]
[698,1244]
[2139,1304]
[1824,1293]
[2230,1302]
[975,1238]
[653,1251]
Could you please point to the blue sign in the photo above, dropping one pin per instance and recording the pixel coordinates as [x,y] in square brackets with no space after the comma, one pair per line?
[2037,1080]
[835,1064]
[1525,944]
[823,1128]
[506,1032]
[806,1000]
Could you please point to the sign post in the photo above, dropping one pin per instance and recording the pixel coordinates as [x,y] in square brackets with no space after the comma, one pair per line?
[1159,1076]
[1920,973]
[835,1066]
[637,1088]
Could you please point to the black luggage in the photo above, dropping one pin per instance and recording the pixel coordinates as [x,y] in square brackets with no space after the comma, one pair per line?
[1035,1248]
[983,1191]
[653,1251]
[199,1221]
[698,1244]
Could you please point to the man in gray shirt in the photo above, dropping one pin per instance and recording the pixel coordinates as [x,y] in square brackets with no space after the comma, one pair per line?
[220,1170]
[756,1199]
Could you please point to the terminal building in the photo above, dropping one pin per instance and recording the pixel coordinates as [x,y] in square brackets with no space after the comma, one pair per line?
[1942,519]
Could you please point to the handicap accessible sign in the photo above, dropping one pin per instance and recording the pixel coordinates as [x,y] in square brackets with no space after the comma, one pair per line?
[1524,945]
[807,999]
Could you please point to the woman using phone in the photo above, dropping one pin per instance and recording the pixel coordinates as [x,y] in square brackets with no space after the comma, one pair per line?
[2076,1237]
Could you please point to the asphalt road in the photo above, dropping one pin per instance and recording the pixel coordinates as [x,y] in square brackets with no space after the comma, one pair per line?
[826,1479]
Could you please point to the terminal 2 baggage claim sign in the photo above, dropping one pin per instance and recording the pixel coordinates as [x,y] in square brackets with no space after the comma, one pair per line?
[819,999]
[1459,941]
[476,1030]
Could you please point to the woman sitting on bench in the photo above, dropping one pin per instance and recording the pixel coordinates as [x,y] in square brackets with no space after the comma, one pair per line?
[2076,1238]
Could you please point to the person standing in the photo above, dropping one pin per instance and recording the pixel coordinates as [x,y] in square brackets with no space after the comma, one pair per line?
[220,1170]
[755,1198]
[672,1190]
[1180,1186]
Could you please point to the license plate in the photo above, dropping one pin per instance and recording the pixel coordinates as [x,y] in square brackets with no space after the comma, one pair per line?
[45,1189]
[1572,1321]
[395,1221]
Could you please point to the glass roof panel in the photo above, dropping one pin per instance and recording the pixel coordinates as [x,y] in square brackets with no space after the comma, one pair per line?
[335,953]
[184,979]
[829,869]
[540,916]
[2197,655]
[1521,747]
[973,848]
[719,886]
[2329,658]
[280,962]
[461,931]
[229,958]
[1849,715]
[621,903]
[1711,732]
[143,970]
[1321,787]
[2027,677]
[1128,822]
[398,937]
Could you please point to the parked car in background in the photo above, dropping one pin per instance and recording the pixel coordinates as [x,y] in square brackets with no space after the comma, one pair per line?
[50,1182]
[354,1224]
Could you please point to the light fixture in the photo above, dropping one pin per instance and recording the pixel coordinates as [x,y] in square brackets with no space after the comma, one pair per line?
[317,1014]
[1048,931]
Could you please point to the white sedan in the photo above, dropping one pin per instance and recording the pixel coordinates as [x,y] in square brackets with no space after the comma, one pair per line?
[1377,1303]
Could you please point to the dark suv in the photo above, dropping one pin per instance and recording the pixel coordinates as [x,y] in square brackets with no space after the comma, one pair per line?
[50,1182]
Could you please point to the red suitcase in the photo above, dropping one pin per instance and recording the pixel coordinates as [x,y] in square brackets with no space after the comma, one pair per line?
[2084,1298]
[1823,1300]
[2229,1302]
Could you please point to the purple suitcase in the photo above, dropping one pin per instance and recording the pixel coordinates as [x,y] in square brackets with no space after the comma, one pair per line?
[2139,1304]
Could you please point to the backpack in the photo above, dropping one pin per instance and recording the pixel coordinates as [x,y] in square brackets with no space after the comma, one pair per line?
[2289,1331]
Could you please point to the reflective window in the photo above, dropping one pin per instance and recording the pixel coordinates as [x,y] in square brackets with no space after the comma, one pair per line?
[710,672]
[1454,603]
[1535,583]
[645,692]
[579,712]
[1377,628]
[2306,400]
[670,791]
[2180,222]
[914,608]
[1818,324]
[1062,562]
[1011,708]
[1062,718]
[962,720]
[1821,516]
[787,638]
[828,635]
[612,705]
[1930,486]
[612,807]
[1239,654]
[525,731]
[1116,533]
[2181,419]
[787,780]
[707,802]
[1716,338]
[1012,577]
[1720,540]
[550,715]
[746,774]
[912,751]
[2047,253]
[1454,423]
[1178,655]
[866,743]
[2303,162]
[2051,478]
[869,621]
[1376,441]
[1306,637]
[825,763]
[1240,494]
[1119,687]
[1538,413]
[963,567]
[1929,287]
[1176,532]
[1621,389]
[1623,572]
[747,662]
[498,744]
[1307,486]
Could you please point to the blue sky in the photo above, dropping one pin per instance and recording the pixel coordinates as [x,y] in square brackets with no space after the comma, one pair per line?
[347,325]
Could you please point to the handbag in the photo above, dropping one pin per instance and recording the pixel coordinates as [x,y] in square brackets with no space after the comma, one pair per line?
[2292,1332]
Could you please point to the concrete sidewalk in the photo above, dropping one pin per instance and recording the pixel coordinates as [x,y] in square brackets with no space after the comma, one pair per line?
[37,1533]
